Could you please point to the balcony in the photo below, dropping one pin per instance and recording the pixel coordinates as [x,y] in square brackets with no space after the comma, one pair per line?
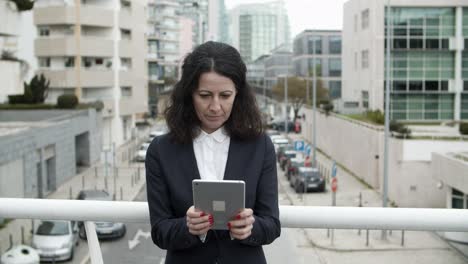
[125,48]
[126,78]
[66,46]
[125,19]
[68,78]
[89,15]
[416,219]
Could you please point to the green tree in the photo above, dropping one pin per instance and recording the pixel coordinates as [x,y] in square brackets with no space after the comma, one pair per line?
[297,93]
[39,87]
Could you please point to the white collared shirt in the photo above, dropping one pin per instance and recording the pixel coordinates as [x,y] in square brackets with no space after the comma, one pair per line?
[211,153]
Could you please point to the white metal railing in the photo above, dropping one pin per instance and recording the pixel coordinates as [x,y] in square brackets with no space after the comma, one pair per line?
[418,219]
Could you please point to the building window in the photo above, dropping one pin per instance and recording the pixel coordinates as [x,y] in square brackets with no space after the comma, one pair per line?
[44,62]
[334,67]
[365,59]
[126,63]
[69,62]
[458,201]
[126,91]
[335,45]
[335,89]
[351,104]
[365,19]
[126,34]
[44,31]
[365,99]
[315,42]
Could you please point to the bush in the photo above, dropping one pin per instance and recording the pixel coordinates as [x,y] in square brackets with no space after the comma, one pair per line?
[26,98]
[375,116]
[67,101]
[464,128]
[400,128]
[23,5]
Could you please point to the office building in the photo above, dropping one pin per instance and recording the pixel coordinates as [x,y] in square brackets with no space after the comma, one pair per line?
[319,51]
[256,29]
[428,60]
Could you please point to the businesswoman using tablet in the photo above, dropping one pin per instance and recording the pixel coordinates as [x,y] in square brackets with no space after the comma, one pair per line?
[215,133]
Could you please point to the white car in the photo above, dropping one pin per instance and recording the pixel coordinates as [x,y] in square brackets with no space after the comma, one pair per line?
[55,240]
[158,132]
[141,154]
[21,254]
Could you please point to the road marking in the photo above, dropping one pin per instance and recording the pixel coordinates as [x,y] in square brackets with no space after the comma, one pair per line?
[135,241]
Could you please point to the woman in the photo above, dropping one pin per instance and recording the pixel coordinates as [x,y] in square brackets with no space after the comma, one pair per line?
[215,132]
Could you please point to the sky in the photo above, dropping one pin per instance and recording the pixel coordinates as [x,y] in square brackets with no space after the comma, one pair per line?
[307,14]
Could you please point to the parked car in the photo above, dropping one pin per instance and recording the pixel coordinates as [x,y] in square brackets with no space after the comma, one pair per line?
[280,151]
[279,142]
[159,131]
[55,240]
[103,229]
[141,154]
[306,179]
[289,154]
[20,254]
[279,125]
[293,166]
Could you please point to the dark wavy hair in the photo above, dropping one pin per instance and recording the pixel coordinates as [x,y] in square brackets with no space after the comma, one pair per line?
[245,121]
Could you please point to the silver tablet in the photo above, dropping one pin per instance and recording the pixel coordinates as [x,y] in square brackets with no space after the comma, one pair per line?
[223,199]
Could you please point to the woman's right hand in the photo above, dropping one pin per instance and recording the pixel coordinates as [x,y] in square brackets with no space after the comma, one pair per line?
[198,222]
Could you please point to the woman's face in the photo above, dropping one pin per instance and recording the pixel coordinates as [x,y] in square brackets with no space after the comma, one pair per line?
[213,100]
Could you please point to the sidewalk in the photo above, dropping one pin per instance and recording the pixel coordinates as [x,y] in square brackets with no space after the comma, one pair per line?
[349,188]
[125,182]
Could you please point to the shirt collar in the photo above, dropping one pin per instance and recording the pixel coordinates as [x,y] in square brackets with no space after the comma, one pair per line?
[219,135]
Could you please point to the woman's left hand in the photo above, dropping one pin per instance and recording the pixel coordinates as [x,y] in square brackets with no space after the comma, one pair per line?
[241,226]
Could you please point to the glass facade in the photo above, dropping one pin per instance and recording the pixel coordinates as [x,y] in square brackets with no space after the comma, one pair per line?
[421,106]
[421,63]
[464,105]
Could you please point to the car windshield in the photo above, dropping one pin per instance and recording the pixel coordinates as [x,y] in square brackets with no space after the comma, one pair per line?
[291,155]
[311,174]
[53,228]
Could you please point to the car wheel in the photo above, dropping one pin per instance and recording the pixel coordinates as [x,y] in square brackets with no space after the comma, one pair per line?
[124,230]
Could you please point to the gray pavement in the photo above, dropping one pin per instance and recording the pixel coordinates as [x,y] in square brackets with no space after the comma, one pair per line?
[125,180]
[352,246]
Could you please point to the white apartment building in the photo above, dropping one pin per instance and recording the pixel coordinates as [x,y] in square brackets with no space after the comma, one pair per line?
[256,29]
[96,50]
[12,70]
[429,63]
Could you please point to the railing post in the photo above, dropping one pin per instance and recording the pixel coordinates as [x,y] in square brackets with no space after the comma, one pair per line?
[367,237]
[95,253]
[402,238]
[22,235]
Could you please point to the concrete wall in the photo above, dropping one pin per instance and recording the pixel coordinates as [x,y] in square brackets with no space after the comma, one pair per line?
[29,145]
[359,147]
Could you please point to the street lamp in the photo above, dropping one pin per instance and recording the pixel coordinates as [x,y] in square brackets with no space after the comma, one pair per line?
[387,116]
[286,103]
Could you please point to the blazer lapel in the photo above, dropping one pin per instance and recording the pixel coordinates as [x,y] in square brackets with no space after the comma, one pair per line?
[235,161]
[189,162]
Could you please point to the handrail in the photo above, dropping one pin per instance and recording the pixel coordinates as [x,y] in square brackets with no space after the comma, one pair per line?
[291,216]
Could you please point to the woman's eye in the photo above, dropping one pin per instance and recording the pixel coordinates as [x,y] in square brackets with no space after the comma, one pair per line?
[204,95]
[225,96]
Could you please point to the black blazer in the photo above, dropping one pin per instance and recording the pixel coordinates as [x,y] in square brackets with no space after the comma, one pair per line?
[170,169]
